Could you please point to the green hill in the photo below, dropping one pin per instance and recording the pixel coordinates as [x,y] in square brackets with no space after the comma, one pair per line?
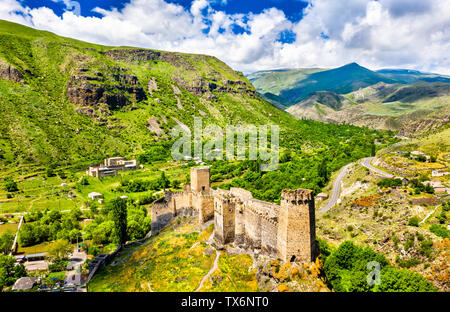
[64,100]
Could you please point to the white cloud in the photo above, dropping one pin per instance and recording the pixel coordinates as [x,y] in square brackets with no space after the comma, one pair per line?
[385,33]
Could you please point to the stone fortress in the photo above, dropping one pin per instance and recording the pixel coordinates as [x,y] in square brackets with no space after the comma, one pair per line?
[285,231]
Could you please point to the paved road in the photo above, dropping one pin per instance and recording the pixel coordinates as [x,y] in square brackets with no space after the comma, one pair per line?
[336,189]
[337,183]
[366,163]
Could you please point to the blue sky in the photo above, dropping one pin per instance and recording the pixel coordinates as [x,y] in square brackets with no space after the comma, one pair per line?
[291,8]
[258,35]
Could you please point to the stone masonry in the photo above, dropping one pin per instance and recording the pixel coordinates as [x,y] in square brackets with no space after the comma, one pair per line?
[285,231]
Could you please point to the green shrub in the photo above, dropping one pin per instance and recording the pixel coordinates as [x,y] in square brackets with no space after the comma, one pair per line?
[439,230]
[10,185]
[413,221]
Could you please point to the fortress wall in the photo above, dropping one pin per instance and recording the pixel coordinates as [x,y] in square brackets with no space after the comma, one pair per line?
[161,214]
[239,221]
[240,193]
[252,228]
[205,205]
[267,209]
[269,228]
[218,221]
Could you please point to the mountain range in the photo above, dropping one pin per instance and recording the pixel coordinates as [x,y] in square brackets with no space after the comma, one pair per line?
[386,99]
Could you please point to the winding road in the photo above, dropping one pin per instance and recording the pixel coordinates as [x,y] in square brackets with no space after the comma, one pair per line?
[366,162]
[336,189]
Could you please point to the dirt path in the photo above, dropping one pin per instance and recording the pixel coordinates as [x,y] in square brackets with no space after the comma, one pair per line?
[428,215]
[214,267]
[34,200]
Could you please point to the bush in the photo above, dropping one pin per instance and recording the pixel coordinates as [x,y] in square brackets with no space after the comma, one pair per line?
[346,270]
[58,266]
[10,185]
[439,230]
[414,221]
[50,172]
[389,182]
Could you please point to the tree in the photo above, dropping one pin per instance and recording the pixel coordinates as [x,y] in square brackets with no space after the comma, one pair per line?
[26,235]
[10,185]
[372,150]
[50,172]
[6,242]
[164,181]
[9,271]
[413,221]
[59,250]
[119,217]
[323,172]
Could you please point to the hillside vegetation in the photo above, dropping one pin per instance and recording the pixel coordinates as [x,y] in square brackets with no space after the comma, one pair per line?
[64,101]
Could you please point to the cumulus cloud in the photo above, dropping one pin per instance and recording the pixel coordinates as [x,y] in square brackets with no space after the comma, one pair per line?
[377,34]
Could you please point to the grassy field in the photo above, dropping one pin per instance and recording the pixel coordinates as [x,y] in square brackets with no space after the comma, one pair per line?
[8,228]
[174,260]
[235,273]
[42,193]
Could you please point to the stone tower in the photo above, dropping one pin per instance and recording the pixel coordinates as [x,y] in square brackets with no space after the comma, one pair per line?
[224,225]
[200,179]
[296,237]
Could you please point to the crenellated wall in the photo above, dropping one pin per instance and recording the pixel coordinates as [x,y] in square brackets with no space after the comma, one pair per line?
[286,231]
[161,214]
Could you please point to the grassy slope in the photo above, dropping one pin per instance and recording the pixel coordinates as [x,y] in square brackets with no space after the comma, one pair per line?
[38,124]
[275,81]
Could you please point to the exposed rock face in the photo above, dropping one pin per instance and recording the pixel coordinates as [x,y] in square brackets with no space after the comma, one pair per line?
[116,89]
[139,55]
[428,123]
[152,86]
[153,126]
[201,86]
[9,72]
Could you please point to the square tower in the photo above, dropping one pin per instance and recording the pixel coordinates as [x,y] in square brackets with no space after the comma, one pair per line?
[296,237]
[224,208]
[200,179]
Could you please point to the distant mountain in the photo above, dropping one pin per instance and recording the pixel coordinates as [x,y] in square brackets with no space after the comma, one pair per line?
[293,86]
[411,76]
[380,106]
[344,79]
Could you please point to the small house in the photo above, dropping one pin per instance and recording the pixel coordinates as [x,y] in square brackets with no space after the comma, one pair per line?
[321,196]
[95,195]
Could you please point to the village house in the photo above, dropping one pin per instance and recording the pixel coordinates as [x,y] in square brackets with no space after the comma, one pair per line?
[439,189]
[321,196]
[111,166]
[95,195]
[417,154]
[437,173]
